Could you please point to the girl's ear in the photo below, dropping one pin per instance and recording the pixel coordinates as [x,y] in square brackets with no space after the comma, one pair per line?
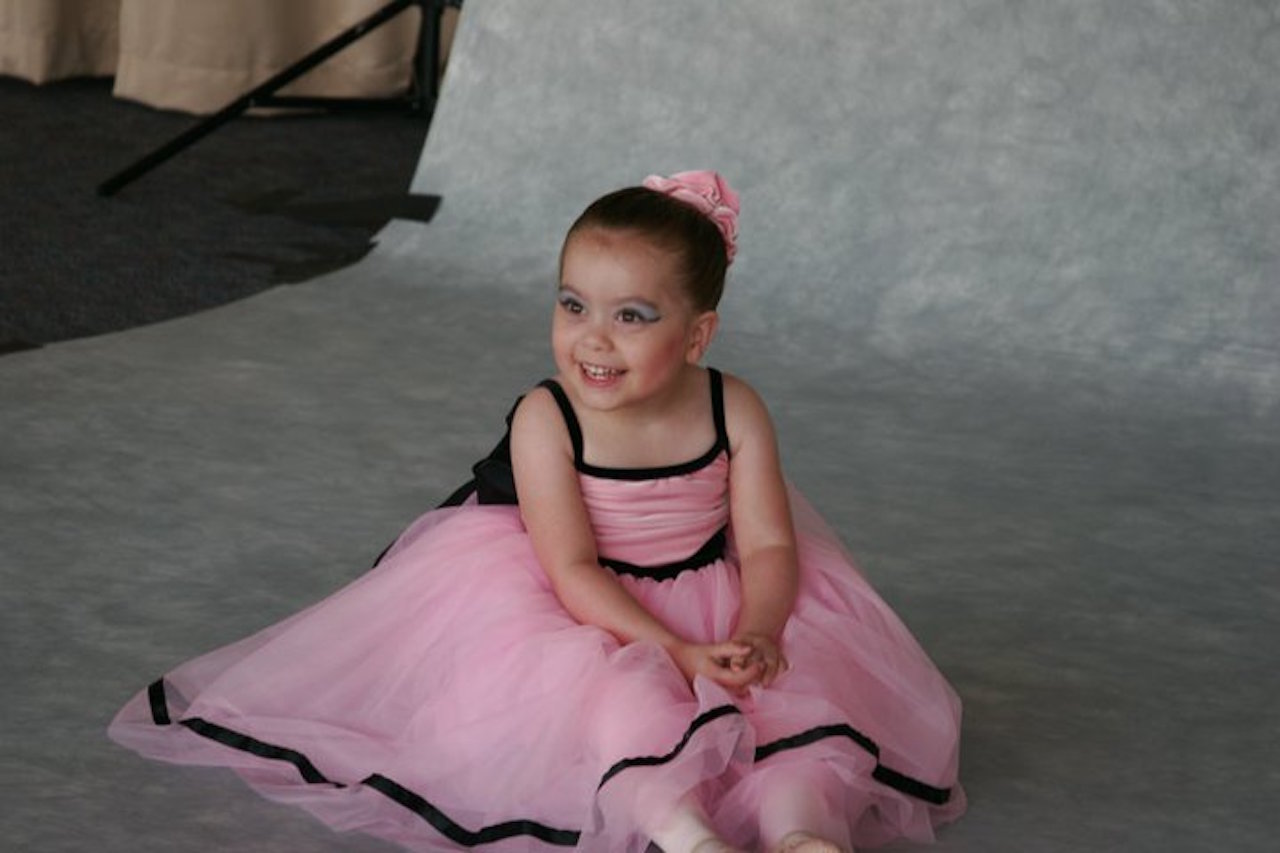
[700,336]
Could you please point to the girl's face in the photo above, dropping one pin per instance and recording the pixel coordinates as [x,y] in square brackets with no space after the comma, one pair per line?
[624,329]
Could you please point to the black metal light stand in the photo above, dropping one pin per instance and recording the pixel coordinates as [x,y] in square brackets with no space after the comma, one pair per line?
[421,97]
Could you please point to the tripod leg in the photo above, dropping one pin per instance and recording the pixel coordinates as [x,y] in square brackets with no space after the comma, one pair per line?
[183,140]
[427,60]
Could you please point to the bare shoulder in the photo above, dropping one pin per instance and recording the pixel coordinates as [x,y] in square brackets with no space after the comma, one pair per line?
[536,408]
[745,413]
[538,423]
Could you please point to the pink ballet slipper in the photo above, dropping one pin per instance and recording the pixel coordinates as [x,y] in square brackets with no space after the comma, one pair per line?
[714,845]
[804,842]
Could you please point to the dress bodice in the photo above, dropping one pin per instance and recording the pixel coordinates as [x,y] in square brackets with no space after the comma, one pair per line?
[660,520]
[656,521]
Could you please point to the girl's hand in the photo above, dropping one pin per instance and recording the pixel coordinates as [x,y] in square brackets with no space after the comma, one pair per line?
[765,658]
[717,662]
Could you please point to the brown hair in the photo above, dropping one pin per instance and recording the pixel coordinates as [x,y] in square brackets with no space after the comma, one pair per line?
[671,225]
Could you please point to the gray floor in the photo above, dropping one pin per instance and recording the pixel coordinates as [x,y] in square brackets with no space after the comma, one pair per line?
[1008,278]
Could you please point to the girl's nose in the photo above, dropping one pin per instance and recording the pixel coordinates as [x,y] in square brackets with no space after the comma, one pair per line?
[597,337]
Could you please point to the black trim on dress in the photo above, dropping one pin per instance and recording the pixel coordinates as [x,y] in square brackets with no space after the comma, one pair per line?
[551,835]
[653,473]
[716,382]
[717,407]
[570,417]
[711,551]
[262,749]
[159,705]
[885,775]
[460,834]
[492,481]
[402,795]
[652,760]
[911,787]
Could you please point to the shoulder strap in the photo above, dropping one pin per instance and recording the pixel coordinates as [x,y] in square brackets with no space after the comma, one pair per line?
[570,418]
[717,407]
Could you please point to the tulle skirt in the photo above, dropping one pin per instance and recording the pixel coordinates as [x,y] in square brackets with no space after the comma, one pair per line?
[446,699]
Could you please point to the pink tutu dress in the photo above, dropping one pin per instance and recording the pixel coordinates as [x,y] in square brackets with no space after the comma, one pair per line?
[446,699]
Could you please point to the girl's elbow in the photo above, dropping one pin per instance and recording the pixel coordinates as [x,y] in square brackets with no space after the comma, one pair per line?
[571,581]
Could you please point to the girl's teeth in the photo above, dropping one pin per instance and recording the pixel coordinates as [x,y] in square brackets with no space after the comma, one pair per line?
[599,372]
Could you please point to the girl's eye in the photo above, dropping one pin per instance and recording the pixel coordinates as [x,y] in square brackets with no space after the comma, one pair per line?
[635,315]
[571,304]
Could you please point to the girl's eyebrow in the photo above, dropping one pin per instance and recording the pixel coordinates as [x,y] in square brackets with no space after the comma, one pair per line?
[568,290]
[642,304]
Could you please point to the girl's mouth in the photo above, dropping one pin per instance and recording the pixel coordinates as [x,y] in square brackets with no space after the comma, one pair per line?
[598,375]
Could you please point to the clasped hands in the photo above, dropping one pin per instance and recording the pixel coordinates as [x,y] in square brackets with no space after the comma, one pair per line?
[736,665]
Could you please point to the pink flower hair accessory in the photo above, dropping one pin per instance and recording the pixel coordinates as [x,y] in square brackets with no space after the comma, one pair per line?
[707,193]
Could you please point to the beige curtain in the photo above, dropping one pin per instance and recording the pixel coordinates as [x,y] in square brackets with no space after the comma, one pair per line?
[198,55]
[43,40]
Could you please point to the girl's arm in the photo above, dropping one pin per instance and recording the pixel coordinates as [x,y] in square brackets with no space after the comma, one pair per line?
[761,517]
[554,514]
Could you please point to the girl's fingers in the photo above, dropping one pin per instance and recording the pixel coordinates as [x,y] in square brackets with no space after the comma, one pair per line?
[775,667]
[741,664]
[733,654]
[737,680]
[769,674]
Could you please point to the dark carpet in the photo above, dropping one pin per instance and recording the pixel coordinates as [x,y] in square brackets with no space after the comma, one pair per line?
[263,201]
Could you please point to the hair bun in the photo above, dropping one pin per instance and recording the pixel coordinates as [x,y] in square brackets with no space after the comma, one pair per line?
[710,195]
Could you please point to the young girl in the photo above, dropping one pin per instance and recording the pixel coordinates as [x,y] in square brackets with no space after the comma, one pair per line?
[655,641]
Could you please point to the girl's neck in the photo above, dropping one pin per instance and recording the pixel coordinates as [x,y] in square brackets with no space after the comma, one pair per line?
[666,430]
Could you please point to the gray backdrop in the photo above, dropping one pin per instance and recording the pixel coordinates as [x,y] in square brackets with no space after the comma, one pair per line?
[1008,279]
